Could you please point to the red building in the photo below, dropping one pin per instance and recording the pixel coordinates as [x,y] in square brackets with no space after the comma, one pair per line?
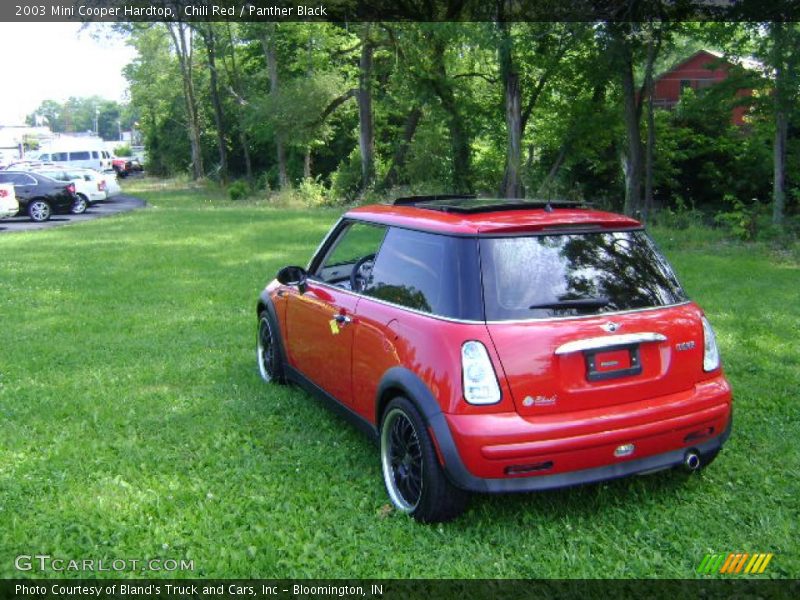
[701,70]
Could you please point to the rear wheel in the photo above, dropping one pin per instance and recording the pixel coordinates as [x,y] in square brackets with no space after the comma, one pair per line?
[270,365]
[413,477]
[39,210]
[80,205]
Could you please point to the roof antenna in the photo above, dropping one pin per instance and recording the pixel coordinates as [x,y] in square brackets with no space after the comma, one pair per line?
[548,207]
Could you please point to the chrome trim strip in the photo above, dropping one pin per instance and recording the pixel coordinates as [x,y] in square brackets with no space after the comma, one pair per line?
[609,341]
[596,316]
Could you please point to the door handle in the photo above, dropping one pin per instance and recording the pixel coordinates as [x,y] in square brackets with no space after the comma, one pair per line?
[342,319]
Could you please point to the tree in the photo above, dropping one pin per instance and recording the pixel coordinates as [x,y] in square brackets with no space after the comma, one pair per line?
[182,43]
[208,33]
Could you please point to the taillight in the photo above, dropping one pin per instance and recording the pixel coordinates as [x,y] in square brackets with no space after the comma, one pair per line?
[479,379]
[101,187]
[710,350]
[3,193]
[71,188]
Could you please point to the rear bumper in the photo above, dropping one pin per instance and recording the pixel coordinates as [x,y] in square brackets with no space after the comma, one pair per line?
[476,454]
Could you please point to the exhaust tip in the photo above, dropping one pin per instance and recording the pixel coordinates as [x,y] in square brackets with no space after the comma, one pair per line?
[691,461]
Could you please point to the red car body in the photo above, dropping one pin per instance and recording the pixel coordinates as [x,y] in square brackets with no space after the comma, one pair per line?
[582,398]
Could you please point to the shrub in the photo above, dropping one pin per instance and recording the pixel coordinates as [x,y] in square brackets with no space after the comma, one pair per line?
[238,190]
[681,216]
[123,150]
[740,220]
[313,193]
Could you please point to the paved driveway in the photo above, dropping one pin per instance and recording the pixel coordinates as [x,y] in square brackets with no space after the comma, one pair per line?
[118,204]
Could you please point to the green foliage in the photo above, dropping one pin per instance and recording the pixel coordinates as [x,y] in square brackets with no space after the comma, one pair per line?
[148,433]
[312,193]
[740,220]
[679,216]
[238,190]
[123,150]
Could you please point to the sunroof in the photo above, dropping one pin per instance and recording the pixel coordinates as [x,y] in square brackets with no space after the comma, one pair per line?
[471,204]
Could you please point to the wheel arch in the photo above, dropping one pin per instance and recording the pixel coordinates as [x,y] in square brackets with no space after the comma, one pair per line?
[400,381]
[265,304]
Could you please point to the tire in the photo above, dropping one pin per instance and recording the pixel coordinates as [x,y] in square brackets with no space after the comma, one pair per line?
[39,210]
[268,351]
[80,205]
[414,479]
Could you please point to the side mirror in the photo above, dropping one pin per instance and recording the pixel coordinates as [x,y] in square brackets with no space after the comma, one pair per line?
[294,276]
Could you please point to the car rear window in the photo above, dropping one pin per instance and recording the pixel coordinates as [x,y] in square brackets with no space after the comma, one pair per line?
[574,274]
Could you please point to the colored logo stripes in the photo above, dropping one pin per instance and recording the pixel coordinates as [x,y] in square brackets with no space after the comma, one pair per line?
[734,563]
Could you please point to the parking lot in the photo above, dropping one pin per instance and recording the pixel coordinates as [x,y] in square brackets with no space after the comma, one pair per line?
[119,204]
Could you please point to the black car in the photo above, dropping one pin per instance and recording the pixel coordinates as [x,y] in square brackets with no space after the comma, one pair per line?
[39,196]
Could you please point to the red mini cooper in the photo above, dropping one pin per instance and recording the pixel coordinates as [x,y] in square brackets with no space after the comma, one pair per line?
[499,346]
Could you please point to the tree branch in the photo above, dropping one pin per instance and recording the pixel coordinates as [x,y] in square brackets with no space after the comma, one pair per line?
[492,80]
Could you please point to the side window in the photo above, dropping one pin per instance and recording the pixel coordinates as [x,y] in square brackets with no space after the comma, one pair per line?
[44,157]
[6,178]
[95,154]
[20,179]
[60,157]
[355,247]
[409,270]
[79,155]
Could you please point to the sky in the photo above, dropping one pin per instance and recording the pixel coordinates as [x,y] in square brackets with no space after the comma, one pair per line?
[43,61]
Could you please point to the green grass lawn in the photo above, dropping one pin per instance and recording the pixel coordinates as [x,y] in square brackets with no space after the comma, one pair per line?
[133,423]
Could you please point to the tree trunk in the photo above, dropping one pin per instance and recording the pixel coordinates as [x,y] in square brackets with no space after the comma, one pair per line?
[459,138]
[633,154]
[399,159]
[268,45]
[183,50]
[366,137]
[307,164]
[781,124]
[248,164]
[648,88]
[512,185]
[235,87]
[219,120]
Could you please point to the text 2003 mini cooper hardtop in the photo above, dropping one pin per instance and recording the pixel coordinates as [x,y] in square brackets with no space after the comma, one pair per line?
[499,346]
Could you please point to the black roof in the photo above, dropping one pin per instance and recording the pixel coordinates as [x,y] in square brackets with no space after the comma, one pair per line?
[468,204]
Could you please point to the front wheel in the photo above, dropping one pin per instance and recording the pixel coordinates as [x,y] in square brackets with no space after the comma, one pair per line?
[39,210]
[268,356]
[80,205]
[413,477]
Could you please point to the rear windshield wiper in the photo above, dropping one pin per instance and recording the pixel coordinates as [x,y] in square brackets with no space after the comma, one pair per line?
[598,302]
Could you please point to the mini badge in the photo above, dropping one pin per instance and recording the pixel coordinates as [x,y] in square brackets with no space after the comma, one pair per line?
[334,326]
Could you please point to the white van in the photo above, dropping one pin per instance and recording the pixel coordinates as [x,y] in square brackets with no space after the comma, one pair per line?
[97,159]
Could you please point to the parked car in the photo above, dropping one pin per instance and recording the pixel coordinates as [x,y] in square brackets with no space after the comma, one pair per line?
[90,186]
[39,196]
[112,185]
[8,201]
[499,346]
[124,166]
[87,158]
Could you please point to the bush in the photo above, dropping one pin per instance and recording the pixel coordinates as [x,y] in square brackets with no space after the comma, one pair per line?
[681,216]
[238,190]
[123,150]
[741,219]
[313,193]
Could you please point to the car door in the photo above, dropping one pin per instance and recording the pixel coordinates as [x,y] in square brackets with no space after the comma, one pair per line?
[320,320]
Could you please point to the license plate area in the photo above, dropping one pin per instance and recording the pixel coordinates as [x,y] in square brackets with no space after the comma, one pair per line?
[612,363]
